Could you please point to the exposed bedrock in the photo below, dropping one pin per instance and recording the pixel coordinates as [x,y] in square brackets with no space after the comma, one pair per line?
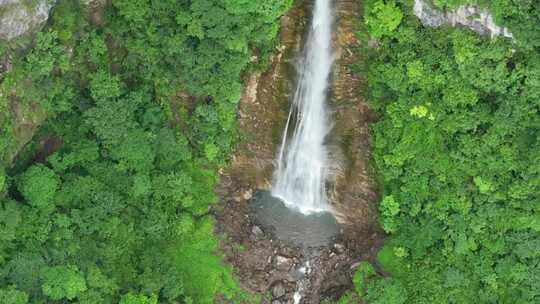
[470,16]
[18,17]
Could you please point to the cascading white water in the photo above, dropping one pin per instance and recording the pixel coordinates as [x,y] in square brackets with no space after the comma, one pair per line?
[302,162]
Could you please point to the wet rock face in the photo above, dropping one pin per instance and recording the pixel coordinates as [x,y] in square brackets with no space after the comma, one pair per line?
[19,17]
[470,16]
[351,187]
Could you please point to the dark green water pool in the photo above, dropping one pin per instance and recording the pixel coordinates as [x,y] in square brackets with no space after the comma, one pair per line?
[290,225]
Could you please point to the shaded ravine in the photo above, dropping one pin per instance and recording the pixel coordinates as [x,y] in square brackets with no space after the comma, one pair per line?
[263,264]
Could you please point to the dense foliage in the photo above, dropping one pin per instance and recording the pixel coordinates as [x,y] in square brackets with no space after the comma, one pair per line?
[143,101]
[457,147]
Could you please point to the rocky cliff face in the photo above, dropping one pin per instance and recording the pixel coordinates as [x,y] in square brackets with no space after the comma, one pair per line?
[352,189]
[352,186]
[469,16]
[19,17]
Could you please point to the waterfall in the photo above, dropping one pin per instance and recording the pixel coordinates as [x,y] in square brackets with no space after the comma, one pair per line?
[302,160]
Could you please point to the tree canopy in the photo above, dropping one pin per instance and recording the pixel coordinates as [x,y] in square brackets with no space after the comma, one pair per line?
[457,148]
[144,104]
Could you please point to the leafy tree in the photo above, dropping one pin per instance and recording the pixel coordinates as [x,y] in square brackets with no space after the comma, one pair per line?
[386,291]
[10,218]
[360,279]
[389,209]
[383,18]
[138,299]
[3,179]
[62,282]
[38,185]
[456,148]
[10,295]
[145,106]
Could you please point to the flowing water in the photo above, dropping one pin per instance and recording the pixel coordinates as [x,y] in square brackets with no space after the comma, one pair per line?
[296,211]
[302,161]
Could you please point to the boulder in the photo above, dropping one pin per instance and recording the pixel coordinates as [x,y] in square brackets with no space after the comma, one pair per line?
[283,263]
[278,291]
[257,231]
[19,17]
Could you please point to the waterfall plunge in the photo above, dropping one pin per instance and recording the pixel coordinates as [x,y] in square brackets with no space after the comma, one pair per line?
[302,162]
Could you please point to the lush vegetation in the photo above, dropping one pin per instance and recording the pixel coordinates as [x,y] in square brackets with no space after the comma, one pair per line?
[457,147]
[143,102]
[137,111]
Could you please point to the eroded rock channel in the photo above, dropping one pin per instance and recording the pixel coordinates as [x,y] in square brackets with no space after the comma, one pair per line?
[305,259]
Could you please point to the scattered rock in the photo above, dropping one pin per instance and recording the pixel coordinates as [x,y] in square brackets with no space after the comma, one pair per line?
[95,9]
[257,231]
[283,263]
[248,194]
[340,248]
[288,252]
[373,43]
[355,265]
[278,291]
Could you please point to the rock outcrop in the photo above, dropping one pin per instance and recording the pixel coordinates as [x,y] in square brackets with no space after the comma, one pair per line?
[470,16]
[352,189]
[19,17]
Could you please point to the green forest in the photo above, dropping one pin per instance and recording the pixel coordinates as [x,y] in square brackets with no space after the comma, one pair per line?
[138,115]
[144,103]
[457,151]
